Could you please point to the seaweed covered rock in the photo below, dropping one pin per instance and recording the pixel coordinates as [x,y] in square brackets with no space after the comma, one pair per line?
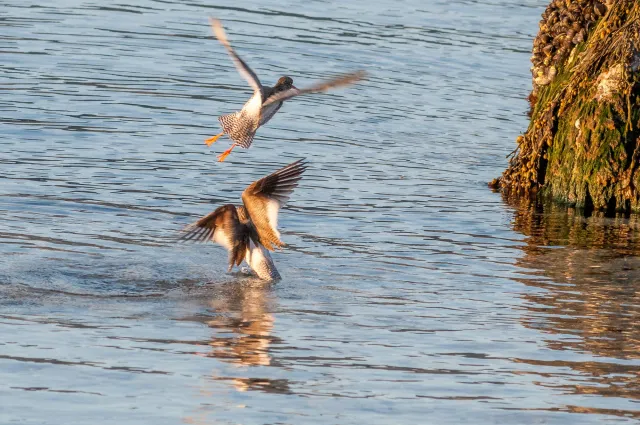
[582,146]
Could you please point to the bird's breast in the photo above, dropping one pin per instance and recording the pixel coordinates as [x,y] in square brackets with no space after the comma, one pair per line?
[252,108]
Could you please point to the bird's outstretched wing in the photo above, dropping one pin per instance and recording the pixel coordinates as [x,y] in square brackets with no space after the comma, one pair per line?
[264,198]
[343,80]
[244,70]
[224,227]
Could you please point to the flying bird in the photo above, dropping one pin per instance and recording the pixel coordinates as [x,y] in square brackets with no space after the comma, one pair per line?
[250,231]
[241,125]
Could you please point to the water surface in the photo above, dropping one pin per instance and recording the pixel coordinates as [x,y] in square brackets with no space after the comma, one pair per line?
[411,293]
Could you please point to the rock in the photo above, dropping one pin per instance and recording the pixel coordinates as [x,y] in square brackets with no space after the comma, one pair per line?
[582,146]
[611,83]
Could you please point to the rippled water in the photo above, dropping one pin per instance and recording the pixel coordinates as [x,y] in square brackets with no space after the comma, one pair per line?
[411,293]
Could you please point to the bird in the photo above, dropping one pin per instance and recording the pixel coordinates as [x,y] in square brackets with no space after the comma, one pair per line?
[241,126]
[249,231]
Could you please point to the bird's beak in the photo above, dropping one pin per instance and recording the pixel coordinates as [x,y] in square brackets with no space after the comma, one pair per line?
[294,87]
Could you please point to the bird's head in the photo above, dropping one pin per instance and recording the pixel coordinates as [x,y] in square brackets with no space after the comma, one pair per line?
[284,83]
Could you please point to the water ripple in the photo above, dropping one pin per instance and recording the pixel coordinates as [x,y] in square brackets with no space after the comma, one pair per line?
[410,290]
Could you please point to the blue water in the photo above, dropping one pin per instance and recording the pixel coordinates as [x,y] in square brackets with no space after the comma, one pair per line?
[411,292]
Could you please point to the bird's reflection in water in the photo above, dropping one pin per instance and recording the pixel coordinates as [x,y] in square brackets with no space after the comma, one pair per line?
[588,273]
[243,323]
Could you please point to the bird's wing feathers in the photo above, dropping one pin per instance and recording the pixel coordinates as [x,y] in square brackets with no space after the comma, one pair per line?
[343,80]
[264,198]
[244,70]
[222,226]
[268,112]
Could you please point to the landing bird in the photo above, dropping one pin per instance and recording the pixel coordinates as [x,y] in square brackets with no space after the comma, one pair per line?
[250,231]
[241,126]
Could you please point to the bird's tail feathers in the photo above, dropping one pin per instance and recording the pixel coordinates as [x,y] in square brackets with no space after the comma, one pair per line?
[227,121]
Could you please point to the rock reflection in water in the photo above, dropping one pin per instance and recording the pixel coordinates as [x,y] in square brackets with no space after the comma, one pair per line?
[589,275]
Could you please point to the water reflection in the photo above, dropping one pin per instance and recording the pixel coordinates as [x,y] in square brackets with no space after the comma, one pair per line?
[243,325]
[588,274]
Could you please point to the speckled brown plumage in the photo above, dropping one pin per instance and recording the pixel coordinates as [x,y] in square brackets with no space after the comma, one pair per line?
[231,232]
[239,127]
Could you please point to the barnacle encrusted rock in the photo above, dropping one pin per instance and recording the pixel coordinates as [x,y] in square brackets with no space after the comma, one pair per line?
[582,146]
[611,83]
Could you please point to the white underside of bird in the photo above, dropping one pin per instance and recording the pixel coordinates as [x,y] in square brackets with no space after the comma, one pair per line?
[260,261]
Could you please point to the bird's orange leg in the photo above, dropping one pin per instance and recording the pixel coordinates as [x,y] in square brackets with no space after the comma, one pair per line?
[226,153]
[211,140]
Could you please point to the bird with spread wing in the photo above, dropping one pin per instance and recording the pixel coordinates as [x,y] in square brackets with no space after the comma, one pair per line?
[250,231]
[241,126]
